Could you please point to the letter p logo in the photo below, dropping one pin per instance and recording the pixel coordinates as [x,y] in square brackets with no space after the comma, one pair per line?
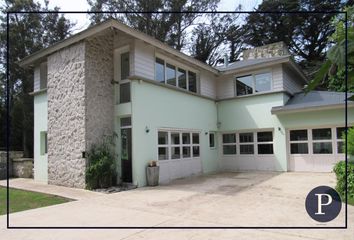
[323,204]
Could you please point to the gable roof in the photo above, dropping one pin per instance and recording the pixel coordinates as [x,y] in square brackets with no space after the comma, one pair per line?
[110,24]
[314,99]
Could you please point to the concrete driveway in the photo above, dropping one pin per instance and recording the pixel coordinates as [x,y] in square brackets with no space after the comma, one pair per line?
[226,199]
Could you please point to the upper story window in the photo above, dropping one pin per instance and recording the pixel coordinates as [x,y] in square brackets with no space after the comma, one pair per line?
[169,74]
[254,83]
[124,83]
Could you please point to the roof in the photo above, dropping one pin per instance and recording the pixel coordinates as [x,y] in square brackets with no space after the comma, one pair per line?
[314,99]
[110,24]
[250,62]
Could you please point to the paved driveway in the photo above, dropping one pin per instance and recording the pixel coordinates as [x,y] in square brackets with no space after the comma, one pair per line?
[225,199]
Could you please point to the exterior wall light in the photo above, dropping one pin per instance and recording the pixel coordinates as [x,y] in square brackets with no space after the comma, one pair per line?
[147,129]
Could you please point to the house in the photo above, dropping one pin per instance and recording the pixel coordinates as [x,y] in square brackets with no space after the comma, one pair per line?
[167,106]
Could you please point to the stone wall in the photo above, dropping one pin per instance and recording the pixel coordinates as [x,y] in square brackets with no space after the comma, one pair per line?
[66,116]
[3,162]
[266,51]
[99,89]
[22,167]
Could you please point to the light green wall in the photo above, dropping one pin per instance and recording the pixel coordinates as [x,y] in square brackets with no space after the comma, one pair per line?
[40,125]
[315,118]
[254,113]
[158,107]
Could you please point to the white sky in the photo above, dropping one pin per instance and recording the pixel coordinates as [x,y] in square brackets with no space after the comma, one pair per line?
[82,20]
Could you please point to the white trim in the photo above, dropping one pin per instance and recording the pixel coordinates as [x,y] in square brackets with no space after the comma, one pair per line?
[253,74]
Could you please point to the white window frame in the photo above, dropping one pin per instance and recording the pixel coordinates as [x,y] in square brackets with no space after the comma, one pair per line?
[264,143]
[228,144]
[117,71]
[340,139]
[214,137]
[177,66]
[300,141]
[331,140]
[169,144]
[253,74]
[254,134]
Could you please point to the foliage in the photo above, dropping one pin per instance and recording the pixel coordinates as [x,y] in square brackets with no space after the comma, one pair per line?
[21,200]
[166,27]
[339,170]
[101,167]
[335,64]
[350,144]
[305,34]
[27,33]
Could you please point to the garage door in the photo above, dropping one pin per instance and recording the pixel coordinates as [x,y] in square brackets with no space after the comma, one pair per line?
[315,149]
[178,154]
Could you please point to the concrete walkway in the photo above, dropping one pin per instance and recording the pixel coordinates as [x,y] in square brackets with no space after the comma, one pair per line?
[226,199]
[31,185]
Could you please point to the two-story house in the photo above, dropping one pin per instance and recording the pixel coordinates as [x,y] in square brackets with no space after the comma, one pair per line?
[167,106]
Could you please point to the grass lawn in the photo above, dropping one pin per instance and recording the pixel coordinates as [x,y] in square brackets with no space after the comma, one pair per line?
[21,200]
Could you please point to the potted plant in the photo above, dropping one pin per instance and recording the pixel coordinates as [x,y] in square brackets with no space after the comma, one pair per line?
[152,173]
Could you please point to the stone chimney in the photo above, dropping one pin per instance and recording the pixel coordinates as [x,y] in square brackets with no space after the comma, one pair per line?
[266,51]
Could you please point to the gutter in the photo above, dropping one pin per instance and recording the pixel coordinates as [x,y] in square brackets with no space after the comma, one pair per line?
[282,110]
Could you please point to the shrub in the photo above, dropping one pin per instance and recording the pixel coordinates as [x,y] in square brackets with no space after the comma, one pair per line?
[101,168]
[339,169]
[350,144]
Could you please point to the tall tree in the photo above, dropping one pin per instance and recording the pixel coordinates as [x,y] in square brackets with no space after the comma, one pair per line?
[28,33]
[167,27]
[305,34]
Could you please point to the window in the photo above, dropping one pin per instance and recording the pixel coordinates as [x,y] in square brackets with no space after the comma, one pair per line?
[246,143]
[299,142]
[124,66]
[160,70]
[43,143]
[179,144]
[322,141]
[212,140]
[124,92]
[126,122]
[175,76]
[340,143]
[43,75]
[229,143]
[254,83]
[265,142]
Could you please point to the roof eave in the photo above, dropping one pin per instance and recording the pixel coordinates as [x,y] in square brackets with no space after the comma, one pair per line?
[281,110]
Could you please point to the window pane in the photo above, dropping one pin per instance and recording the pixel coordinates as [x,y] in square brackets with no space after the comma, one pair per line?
[229,138]
[186,138]
[124,92]
[160,70]
[296,148]
[192,81]
[247,149]
[124,65]
[340,147]
[171,74]
[163,138]
[244,85]
[126,122]
[195,137]
[186,152]
[175,153]
[264,136]
[196,151]
[265,148]
[229,149]
[246,137]
[321,134]
[175,138]
[263,82]
[340,132]
[322,148]
[163,153]
[182,78]
[298,135]
[211,140]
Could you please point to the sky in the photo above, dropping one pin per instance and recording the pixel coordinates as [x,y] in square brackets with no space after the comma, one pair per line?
[82,20]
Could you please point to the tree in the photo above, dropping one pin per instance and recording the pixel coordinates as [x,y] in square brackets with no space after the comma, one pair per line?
[166,27]
[305,34]
[28,34]
[333,69]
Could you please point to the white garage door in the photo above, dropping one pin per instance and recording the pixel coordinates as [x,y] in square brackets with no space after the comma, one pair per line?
[178,154]
[315,149]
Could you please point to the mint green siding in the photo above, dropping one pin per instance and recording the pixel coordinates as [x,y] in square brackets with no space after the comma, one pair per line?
[157,107]
[40,126]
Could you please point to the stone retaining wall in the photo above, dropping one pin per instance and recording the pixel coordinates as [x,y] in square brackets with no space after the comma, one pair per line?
[3,163]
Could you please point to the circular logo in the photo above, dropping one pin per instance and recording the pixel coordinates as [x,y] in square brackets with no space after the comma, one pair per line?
[323,204]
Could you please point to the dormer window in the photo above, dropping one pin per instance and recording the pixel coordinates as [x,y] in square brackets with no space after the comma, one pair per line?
[253,83]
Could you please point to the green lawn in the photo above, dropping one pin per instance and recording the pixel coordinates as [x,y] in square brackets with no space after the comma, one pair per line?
[21,200]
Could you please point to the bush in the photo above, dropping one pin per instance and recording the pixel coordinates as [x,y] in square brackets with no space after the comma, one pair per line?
[350,144]
[101,168]
[339,169]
